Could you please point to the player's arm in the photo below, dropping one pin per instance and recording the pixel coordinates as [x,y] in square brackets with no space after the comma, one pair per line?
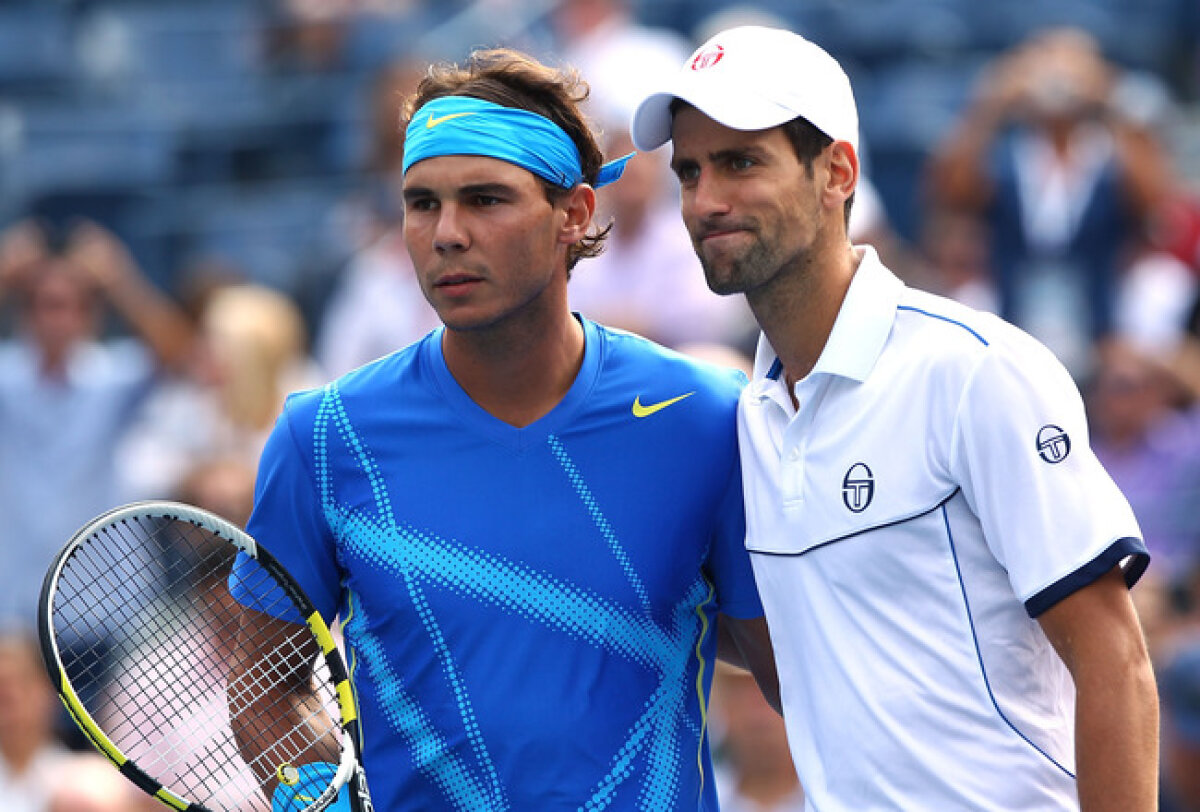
[271,698]
[746,643]
[1096,632]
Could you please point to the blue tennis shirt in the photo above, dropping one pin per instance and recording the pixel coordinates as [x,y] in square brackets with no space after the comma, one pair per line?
[529,614]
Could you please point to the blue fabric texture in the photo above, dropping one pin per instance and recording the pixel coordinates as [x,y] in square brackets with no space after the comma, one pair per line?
[463,125]
[529,613]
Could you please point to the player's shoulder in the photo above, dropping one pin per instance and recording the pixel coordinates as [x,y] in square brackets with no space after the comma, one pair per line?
[954,336]
[946,323]
[643,362]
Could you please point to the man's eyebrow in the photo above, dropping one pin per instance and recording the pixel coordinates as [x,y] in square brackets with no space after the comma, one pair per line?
[748,151]
[485,189]
[720,155]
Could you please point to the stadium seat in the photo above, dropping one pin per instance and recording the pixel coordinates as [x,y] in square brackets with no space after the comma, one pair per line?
[35,47]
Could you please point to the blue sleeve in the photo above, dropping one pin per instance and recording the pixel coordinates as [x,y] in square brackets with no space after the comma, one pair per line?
[728,562]
[288,518]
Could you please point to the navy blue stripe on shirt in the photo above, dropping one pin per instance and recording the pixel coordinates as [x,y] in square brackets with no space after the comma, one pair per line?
[987,681]
[946,319]
[859,532]
[1119,550]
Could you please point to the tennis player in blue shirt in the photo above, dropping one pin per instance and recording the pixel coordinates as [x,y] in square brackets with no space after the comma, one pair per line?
[530,525]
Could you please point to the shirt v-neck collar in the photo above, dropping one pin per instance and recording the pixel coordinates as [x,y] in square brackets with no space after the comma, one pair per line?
[475,418]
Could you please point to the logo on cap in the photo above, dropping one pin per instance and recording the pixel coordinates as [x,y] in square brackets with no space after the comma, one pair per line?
[1053,444]
[858,487]
[707,57]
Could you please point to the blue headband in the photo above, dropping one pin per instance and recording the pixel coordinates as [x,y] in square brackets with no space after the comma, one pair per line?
[463,125]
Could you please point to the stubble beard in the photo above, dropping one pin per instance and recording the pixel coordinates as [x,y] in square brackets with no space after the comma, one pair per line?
[739,273]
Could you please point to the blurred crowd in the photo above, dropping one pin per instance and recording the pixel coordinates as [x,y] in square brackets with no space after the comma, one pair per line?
[199,214]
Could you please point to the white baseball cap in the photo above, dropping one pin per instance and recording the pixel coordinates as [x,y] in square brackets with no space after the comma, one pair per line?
[754,78]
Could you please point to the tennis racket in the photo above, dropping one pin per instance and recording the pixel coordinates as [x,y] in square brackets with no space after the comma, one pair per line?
[196,664]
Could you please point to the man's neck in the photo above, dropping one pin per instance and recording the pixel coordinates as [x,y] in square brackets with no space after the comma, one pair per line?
[798,309]
[517,372]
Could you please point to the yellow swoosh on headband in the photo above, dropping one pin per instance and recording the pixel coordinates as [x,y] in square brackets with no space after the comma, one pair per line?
[432,122]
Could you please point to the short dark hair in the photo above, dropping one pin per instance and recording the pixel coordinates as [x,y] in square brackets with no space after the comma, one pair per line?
[512,79]
[808,142]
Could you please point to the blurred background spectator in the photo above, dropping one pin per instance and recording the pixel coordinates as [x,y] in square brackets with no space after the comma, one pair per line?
[67,397]
[1066,178]
[31,758]
[1146,431]
[37,771]
[1179,688]
[249,352]
[235,161]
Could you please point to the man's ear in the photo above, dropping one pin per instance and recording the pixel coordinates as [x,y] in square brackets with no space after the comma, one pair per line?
[579,206]
[843,172]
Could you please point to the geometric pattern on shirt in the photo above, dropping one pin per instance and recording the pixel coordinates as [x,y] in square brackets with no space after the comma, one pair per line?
[424,561]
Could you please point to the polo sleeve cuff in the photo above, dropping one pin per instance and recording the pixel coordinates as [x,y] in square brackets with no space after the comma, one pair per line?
[1131,551]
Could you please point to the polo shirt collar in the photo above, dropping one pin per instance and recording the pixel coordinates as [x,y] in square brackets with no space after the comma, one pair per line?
[859,332]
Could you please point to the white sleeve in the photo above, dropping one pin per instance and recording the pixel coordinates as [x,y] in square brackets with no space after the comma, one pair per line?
[1051,514]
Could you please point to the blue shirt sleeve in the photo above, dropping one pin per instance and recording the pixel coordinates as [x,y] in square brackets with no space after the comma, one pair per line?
[728,562]
[288,518]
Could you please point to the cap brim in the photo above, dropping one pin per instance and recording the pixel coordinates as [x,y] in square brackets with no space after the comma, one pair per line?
[650,126]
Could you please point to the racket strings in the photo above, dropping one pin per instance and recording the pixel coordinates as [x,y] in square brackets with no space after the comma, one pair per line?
[149,637]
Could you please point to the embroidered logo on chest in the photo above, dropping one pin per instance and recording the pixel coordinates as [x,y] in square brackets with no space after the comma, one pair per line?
[858,487]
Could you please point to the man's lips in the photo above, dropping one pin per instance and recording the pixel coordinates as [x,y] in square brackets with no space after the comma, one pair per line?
[456,280]
[710,231]
[719,233]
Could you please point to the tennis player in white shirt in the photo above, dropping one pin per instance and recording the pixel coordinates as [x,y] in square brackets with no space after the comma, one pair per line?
[943,562]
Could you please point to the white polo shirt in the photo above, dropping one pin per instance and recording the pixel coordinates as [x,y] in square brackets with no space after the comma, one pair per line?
[934,492]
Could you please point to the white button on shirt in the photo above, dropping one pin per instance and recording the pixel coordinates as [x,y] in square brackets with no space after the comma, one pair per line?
[907,522]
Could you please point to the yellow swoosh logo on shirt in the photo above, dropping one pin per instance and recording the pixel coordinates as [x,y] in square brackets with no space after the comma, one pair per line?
[432,122]
[645,411]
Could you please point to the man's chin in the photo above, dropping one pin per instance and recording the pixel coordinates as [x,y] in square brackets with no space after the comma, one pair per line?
[723,281]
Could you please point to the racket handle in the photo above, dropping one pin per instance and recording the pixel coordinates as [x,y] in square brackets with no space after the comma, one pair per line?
[360,798]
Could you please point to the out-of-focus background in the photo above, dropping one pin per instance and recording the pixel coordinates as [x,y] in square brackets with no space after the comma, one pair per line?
[198,214]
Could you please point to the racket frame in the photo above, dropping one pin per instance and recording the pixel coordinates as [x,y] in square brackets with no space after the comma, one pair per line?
[349,765]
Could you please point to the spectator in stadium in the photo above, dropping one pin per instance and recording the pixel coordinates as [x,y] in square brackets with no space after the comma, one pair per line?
[66,396]
[1066,174]
[1180,680]
[1147,435]
[32,759]
[249,353]
[37,772]
[939,553]
[617,54]
[484,507]
[954,255]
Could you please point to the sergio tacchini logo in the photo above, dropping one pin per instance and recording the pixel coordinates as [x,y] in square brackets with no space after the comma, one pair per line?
[645,411]
[432,122]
